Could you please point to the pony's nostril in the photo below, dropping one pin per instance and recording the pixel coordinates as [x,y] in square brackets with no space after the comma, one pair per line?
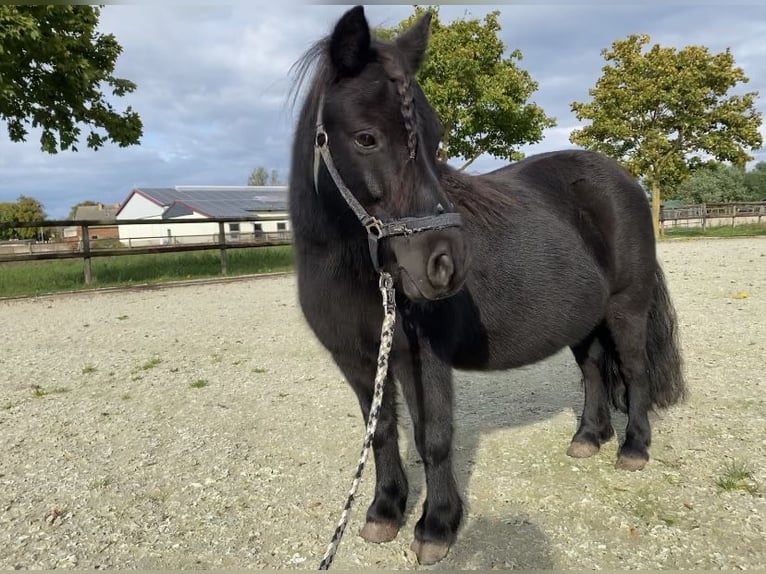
[440,270]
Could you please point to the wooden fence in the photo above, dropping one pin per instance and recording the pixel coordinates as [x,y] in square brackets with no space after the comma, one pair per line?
[85,248]
[714,214]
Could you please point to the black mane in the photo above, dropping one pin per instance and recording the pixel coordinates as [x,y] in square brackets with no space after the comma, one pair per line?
[479,200]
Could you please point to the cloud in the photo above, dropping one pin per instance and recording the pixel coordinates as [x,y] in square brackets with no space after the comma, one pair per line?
[213,83]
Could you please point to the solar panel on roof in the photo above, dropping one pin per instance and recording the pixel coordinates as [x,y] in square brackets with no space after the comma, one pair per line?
[222,202]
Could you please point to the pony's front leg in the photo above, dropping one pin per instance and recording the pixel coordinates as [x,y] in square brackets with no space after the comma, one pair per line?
[427,385]
[385,515]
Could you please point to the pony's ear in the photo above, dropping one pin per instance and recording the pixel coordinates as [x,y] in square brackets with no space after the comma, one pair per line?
[350,43]
[414,41]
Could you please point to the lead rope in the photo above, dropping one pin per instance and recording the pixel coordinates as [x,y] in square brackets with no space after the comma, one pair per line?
[386,339]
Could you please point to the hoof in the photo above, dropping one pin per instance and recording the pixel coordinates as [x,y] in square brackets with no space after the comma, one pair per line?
[379,531]
[630,463]
[579,449]
[429,552]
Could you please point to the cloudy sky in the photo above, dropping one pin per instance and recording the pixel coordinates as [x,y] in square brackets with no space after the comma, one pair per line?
[213,80]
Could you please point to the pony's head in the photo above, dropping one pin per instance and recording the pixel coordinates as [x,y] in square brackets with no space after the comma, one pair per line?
[377,139]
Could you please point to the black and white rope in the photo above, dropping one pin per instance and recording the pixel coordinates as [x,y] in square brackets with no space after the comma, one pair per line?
[386,340]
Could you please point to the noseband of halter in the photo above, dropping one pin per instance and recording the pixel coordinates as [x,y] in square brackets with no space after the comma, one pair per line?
[376,229]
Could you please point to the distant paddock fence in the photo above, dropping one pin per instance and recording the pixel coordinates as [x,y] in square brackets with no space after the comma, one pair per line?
[85,247]
[714,214]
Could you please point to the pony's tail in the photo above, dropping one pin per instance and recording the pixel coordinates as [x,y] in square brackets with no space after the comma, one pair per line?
[663,357]
[666,379]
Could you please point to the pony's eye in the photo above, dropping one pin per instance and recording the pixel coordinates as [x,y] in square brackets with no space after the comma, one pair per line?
[365,140]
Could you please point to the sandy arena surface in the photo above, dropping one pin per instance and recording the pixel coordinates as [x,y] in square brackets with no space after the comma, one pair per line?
[111,458]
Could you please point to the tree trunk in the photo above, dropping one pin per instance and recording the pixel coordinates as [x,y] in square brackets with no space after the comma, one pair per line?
[656,199]
[469,162]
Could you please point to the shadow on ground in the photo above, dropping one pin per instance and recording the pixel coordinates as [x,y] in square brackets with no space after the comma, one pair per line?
[514,542]
[485,403]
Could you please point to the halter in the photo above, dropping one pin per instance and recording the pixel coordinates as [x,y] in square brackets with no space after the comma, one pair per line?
[376,229]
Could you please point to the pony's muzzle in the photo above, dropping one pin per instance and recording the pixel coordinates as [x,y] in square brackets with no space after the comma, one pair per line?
[432,264]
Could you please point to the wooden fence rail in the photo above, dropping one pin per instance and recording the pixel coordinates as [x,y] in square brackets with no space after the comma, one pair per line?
[704,214]
[83,249]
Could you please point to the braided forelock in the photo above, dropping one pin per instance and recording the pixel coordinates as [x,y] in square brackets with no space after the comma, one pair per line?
[395,68]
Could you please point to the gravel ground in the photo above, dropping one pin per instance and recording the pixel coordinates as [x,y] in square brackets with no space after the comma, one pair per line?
[203,427]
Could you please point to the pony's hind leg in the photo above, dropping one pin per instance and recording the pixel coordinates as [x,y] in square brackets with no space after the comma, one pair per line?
[385,514]
[627,320]
[595,423]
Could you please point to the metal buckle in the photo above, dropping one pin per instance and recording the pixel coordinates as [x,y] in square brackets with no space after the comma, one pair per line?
[386,285]
[374,227]
[321,138]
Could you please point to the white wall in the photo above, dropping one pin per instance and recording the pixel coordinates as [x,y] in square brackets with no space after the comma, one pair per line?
[168,232]
[138,207]
[268,224]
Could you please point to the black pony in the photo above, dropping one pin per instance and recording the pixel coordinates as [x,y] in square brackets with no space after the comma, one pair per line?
[550,252]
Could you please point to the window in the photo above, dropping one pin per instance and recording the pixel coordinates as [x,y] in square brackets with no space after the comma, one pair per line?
[257,227]
[233,227]
[281,226]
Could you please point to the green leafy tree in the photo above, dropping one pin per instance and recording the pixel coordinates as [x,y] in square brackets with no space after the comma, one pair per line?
[25,209]
[7,214]
[53,68]
[755,181]
[665,111]
[479,93]
[261,176]
[716,183]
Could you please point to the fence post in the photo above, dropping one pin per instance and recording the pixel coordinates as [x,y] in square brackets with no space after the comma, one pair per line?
[86,254]
[224,254]
[704,216]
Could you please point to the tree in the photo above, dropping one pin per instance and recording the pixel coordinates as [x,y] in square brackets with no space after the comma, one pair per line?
[25,209]
[715,183]
[7,213]
[260,176]
[53,67]
[755,181]
[666,111]
[479,94]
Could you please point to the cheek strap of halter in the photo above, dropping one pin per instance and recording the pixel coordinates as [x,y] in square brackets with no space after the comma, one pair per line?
[376,229]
